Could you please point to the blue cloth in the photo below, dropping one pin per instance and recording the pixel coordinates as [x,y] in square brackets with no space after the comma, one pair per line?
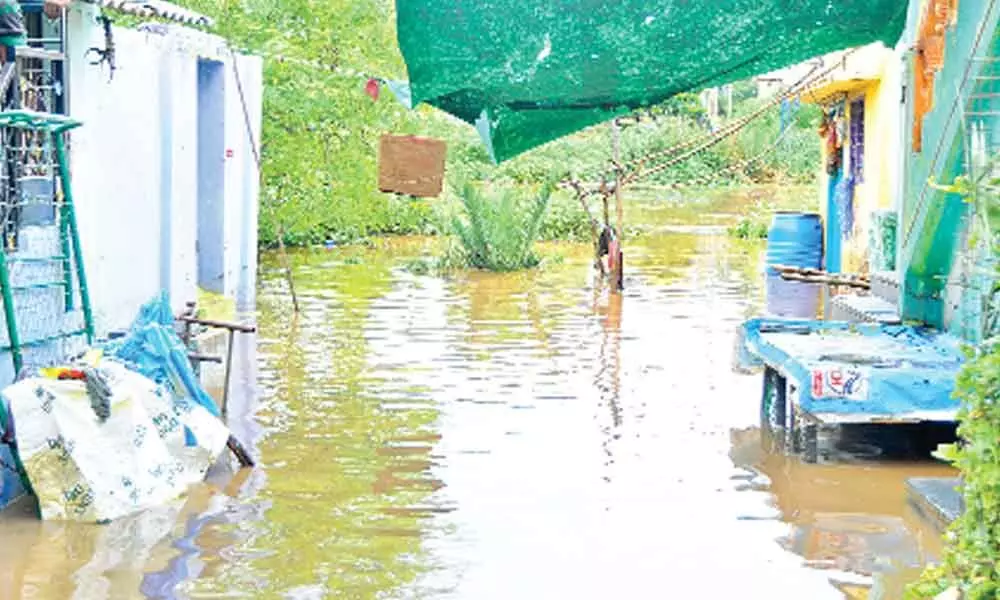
[833,228]
[789,108]
[845,206]
[152,348]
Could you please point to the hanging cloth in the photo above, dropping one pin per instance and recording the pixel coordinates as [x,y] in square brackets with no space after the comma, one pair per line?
[831,132]
[844,199]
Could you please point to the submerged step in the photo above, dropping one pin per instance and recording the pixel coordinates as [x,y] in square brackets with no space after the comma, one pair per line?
[938,499]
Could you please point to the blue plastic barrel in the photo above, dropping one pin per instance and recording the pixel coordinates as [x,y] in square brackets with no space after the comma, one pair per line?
[795,239]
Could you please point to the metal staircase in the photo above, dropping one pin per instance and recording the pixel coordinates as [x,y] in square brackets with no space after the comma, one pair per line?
[46,305]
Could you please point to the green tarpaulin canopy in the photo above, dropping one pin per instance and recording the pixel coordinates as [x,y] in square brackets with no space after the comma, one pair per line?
[526,72]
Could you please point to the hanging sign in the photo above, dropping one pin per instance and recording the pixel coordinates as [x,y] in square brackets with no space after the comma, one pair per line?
[411,165]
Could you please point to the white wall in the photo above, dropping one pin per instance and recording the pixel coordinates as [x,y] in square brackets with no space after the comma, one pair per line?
[251,69]
[134,166]
[117,167]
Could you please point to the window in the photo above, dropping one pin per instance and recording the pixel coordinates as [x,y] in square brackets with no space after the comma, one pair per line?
[857,140]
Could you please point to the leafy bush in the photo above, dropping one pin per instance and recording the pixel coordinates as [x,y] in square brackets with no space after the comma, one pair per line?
[749,229]
[565,221]
[321,131]
[973,552]
[499,229]
[972,555]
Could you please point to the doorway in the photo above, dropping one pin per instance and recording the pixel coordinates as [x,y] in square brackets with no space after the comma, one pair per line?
[210,244]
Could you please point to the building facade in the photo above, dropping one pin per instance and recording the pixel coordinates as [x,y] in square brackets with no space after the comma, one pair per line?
[164,169]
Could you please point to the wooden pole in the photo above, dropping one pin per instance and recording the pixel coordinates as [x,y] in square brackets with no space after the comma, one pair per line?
[616,274]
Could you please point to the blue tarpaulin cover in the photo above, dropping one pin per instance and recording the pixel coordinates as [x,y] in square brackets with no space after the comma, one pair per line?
[867,370]
[152,348]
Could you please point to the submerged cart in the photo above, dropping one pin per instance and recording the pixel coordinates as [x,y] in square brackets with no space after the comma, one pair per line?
[819,373]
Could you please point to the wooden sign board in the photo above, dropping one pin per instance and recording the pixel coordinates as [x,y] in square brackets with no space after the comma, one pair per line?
[411,165]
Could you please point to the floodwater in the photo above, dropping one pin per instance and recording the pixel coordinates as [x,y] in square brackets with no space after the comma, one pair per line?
[506,436]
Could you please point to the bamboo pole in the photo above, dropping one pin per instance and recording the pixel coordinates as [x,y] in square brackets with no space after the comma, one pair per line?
[279,229]
[616,274]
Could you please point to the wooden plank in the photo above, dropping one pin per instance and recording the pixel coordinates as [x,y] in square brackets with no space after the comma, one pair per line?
[411,165]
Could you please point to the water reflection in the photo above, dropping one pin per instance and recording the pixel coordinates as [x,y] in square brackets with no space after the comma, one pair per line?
[502,436]
[607,378]
[849,516]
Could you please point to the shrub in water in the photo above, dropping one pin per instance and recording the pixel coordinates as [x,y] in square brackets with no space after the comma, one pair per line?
[499,228]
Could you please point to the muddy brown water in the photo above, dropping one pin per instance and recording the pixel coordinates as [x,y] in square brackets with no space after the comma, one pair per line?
[505,436]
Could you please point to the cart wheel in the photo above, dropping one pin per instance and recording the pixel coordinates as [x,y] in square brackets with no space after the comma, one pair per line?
[794,433]
[810,441]
[767,399]
[773,402]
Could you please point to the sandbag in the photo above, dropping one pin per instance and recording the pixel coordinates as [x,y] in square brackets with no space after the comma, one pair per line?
[83,469]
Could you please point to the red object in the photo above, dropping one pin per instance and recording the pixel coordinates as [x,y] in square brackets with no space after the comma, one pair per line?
[229,152]
[72,374]
[372,88]
[612,256]
[817,384]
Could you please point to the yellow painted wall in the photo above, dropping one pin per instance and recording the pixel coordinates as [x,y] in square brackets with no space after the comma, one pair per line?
[882,111]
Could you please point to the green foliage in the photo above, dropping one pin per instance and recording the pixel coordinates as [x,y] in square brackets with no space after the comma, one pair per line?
[749,229]
[685,104]
[756,220]
[972,557]
[500,228]
[973,552]
[321,130]
[564,220]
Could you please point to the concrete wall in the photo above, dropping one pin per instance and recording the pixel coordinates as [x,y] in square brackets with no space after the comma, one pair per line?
[135,166]
[933,222]
[881,91]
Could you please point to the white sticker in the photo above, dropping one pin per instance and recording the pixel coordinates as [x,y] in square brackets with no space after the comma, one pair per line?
[839,382]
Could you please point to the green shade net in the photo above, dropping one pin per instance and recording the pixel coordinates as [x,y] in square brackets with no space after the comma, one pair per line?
[526,72]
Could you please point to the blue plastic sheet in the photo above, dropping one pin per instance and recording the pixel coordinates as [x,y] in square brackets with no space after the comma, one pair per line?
[152,348]
[863,370]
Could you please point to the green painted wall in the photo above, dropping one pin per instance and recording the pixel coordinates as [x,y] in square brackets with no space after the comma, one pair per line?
[933,222]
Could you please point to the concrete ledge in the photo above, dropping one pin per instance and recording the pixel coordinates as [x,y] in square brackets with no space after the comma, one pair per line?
[864,309]
[937,499]
[885,285]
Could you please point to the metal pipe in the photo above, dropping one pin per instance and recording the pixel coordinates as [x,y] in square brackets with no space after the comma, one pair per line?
[226,377]
[195,357]
[10,316]
[219,324]
[81,276]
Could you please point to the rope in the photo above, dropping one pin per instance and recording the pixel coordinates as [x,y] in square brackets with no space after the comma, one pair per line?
[280,230]
[801,85]
[707,179]
[703,143]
